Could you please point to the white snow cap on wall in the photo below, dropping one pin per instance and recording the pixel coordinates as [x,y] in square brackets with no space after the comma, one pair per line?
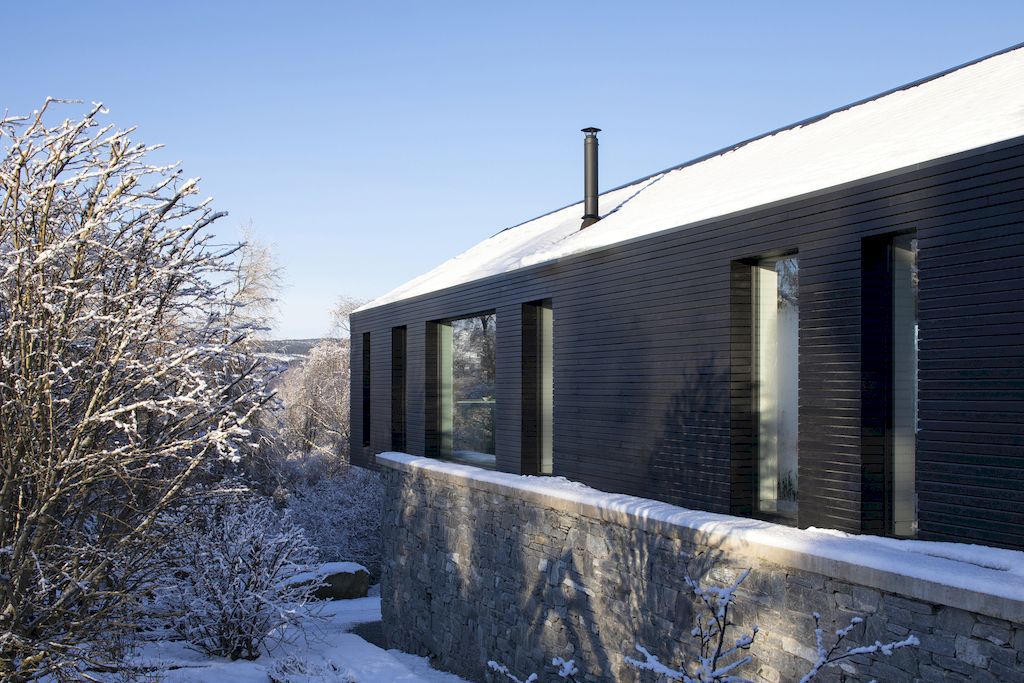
[973,106]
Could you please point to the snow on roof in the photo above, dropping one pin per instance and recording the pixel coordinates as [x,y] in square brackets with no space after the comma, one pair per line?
[968,107]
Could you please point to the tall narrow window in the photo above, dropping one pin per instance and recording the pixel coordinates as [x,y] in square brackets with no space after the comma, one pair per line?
[538,388]
[889,385]
[775,292]
[904,385]
[438,390]
[474,389]
[398,380]
[366,389]
[462,389]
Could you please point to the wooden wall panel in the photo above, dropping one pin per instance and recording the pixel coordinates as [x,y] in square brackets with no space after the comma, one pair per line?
[649,350]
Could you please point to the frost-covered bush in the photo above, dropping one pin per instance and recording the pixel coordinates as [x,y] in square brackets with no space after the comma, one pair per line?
[299,470]
[229,585]
[341,516]
[125,373]
[294,669]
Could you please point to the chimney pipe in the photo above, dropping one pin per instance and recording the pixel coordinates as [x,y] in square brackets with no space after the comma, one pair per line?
[590,215]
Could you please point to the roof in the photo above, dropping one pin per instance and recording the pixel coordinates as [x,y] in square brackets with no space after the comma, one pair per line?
[967,107]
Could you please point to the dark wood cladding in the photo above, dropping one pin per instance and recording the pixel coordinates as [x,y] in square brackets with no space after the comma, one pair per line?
[651,352]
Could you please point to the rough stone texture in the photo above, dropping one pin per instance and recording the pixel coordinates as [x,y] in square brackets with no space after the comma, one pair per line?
[344,586]
[474,575]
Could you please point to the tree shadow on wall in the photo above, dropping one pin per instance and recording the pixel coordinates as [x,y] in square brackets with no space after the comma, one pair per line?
[605,590]
[689,462]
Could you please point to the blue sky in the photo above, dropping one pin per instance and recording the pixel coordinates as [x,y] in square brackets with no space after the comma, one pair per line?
[368,142]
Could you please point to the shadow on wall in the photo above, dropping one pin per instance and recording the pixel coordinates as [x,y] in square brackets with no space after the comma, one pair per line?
[599,592]
[689,463]
[523,584]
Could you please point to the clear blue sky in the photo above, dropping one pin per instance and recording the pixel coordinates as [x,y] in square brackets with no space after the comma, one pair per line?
[369,142]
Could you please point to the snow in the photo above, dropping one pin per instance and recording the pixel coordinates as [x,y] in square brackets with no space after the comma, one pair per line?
[999,559]
[325,570]
[328,654]
[967,108]
[987,571]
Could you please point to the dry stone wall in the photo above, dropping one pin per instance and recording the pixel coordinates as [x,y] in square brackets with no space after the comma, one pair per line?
[477,571]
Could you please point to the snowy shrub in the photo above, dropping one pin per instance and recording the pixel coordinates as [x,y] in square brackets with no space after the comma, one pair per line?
[294,669]
[125,373]
[341,516]
[720,655]
[299,470]
[228,586]
[566,670]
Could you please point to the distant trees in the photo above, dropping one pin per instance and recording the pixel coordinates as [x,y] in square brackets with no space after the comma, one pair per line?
[474,379]
[125,373]
[315,394]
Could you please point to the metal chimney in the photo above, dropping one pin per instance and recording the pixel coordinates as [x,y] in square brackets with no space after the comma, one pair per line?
[590,215]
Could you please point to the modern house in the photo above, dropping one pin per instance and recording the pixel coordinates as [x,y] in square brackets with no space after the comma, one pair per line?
[822,326]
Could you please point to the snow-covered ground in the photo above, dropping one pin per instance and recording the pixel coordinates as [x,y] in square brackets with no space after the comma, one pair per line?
[326,653]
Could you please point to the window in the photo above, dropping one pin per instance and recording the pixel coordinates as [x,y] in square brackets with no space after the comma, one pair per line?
[889,385]
[462,389]
[775,303]
[904,385]
[398,388]
[366,389]
[538,388]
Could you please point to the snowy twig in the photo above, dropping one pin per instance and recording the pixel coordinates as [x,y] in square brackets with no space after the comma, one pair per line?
[829,657]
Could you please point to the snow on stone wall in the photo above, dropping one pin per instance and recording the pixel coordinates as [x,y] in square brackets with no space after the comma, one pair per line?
[483,565]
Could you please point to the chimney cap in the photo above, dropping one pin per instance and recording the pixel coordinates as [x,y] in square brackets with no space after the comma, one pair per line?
[590,131]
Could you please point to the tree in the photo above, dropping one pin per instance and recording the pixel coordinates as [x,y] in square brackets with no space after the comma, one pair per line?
[124,374]
[315,394]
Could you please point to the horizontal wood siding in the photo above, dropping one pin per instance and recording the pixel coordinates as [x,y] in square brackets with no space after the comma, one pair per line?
[649,394]
[508,427]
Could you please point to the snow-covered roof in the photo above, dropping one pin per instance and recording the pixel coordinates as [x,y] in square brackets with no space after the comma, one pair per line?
[965,108]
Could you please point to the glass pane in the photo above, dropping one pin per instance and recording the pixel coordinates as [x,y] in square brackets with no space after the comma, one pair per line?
[367,403]
[546,402]
[474,389]
[776,292]
[904,385]
[398,388]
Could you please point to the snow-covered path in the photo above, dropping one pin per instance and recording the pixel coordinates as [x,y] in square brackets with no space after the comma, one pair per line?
[328,654]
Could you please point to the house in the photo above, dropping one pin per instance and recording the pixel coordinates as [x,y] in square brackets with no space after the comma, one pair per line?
[821,326]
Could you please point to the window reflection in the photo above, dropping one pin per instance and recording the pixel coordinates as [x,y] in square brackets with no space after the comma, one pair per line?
[776,332]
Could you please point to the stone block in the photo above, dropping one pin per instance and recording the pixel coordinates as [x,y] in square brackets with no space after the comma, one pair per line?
[1008,674]
[938,644]
[907,604]
[805,600]
[806,579]
[936,674]
[970,652]
[994,633]
[922,622]
[858,599]
[955,621]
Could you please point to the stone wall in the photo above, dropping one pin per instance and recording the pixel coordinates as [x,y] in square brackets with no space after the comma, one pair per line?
[482,565]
